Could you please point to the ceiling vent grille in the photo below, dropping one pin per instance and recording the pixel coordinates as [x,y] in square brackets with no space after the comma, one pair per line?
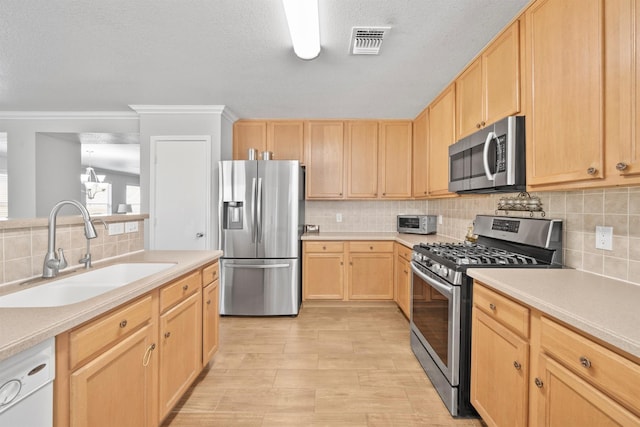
[367,40]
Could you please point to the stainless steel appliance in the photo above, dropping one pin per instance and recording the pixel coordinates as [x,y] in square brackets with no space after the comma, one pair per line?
[261,220]
[417,224]
[442,294]
[491,160]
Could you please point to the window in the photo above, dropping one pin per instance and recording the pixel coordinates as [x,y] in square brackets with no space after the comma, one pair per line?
[133,198]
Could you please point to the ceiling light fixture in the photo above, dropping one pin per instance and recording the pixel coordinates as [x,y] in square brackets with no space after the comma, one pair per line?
[93,183]
[304,27]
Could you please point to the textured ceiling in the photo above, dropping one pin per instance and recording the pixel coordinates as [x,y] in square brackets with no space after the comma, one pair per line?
[97,55]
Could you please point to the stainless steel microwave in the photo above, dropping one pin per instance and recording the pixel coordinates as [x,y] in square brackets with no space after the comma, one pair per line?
[491,160]
[417,224]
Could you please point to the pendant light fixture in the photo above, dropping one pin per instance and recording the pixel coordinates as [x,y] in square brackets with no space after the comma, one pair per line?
[92,182]
[304,27]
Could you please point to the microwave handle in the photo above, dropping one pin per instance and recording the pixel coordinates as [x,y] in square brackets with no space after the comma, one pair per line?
[485,156]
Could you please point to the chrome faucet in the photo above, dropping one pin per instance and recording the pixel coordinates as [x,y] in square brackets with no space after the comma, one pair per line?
[53,262]
[86,259]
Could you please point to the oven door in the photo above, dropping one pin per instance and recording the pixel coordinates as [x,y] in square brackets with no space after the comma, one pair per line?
[435,318]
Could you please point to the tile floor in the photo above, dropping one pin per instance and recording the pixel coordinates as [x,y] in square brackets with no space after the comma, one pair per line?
[333,365]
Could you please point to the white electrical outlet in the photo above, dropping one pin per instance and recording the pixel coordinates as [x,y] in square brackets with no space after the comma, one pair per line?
[440,219]
[116,228]
[131,227]
[604,238]
[338,217]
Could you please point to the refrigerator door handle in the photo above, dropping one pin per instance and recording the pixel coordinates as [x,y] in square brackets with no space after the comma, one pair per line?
[253,210]
[257,266]
[259,212]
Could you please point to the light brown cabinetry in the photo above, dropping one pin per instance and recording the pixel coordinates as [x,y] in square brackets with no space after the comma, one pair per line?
[248,134]
[565,123]
[369,275]
[441,136]
[394,169]
[420,169]
[361,159]
[499,359]
[283,138]
[489,89]
[324,152]
[402,282]
[210,311]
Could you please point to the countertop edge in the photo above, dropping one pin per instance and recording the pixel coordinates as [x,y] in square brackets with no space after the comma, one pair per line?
[402,238]
[21,328]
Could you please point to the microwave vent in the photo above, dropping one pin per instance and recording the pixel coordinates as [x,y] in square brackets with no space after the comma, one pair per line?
[367,40]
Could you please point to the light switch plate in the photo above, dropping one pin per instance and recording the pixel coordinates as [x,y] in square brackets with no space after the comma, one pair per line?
[604,238]
[116,228]
[131,227]
[338,217]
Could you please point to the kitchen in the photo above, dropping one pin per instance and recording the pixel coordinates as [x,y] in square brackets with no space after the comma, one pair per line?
[581,208]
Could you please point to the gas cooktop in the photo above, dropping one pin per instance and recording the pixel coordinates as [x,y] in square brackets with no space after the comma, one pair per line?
[474,253]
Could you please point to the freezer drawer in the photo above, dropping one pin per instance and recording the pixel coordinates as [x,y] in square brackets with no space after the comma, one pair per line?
[259,287]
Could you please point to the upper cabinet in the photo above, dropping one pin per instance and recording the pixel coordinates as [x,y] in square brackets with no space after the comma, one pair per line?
[441,136]
[421,154]
[489,89]
[361,157]
[565,123]
[324,152]
[283,138]
[395,159]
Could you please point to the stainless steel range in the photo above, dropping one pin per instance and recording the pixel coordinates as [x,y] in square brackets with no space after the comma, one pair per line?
[442,294]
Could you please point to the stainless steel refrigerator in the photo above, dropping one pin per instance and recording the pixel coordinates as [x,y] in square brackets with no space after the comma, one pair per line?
[261,221]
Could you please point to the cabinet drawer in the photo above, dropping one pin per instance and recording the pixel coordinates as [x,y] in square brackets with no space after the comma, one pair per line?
[179,290]
[99,333]
[509,313]
[372,246]
[614,374]
[324,246]
[404,251]
[210,273]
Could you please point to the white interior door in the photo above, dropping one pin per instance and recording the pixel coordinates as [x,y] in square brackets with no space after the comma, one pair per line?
[180,199]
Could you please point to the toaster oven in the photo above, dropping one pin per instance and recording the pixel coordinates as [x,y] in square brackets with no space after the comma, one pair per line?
[417,224]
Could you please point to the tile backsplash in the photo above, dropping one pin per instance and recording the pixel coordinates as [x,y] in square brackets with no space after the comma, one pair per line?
[22,250]
[580,210]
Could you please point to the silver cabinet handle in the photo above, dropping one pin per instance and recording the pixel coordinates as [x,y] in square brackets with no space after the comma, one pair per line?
[538,382]
[621,166]
[517,365]
[592,171]
[586,363]
[492,306]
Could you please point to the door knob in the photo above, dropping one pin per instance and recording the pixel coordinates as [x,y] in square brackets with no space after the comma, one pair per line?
[198,235]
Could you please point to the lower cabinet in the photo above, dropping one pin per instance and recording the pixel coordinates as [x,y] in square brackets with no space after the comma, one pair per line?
[323,271]
[130,366]
[403,278]
[370,271]
[528,369]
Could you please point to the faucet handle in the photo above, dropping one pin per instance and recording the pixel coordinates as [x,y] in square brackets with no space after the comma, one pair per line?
[62,262]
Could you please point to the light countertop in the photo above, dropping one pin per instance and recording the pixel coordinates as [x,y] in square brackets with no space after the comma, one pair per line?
[21,328]
[403,238]
[602,307]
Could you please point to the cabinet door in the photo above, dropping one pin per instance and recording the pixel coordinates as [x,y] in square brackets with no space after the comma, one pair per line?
[324,152]
[501,76]
[567,400]
[323,276]
[285,140]
[116,388]
[395,160]
[361,156]
[403,285]
[210,320]
[180,350]
[565,72]
[441,136]
[420,155]
[248,134]
[371,276]
[499,372]
[469,99]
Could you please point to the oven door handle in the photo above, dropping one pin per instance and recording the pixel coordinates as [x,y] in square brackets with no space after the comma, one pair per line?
[485,156]
[439,286]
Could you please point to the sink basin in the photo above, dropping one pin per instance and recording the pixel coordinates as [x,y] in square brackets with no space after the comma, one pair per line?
[73,289]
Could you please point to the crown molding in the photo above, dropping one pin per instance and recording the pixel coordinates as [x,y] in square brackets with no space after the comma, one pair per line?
[67,115]
[178,109]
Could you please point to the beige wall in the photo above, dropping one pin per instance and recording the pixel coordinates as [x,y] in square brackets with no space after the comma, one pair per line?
[581,211]
[22,250]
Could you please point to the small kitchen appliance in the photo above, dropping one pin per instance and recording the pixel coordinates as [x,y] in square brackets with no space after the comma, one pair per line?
[417,224]
[442,297]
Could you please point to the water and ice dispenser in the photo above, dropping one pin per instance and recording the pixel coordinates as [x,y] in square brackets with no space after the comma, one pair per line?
[233,219]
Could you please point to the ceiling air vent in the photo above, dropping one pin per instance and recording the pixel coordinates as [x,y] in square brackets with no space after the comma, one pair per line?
[367,40]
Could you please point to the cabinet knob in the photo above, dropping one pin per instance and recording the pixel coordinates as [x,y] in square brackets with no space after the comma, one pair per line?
[185,287]
[492,306]
[324,248]
[406,272]
[123,324]
[621,166]
[350,262]
[371,247]
[592,171]
[341,263]
[482,123]
[586,363]
[341,194]
[538,382]
[209,302]
[478,125]
[384,194]
[167,334]
[517,365]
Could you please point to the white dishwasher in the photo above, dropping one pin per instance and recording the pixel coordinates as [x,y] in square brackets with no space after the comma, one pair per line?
[26,387]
